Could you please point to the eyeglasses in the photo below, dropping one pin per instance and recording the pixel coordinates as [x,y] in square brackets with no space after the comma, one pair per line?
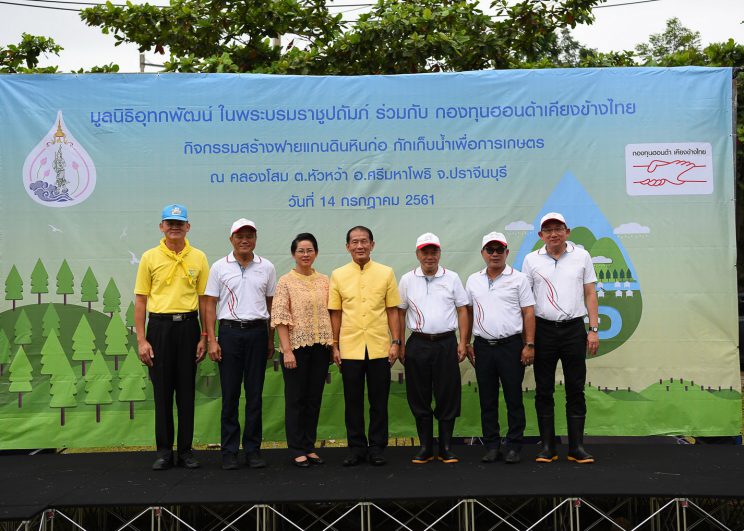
[305,251]
[497,250]
[551,230]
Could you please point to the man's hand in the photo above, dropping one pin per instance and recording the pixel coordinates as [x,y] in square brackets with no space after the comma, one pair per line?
[336,354]
[290,362]
[146,355]
[462,352]
[214,351]
[592,343]
[470,352]
[528,355]
[393,353]
[201,349]
[402,353]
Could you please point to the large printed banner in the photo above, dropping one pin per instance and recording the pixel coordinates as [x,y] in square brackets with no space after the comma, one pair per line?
[640,161]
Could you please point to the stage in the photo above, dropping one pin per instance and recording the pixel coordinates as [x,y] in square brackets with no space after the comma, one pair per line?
[32,484]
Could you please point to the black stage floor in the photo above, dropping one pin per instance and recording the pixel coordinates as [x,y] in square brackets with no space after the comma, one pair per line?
[31,484]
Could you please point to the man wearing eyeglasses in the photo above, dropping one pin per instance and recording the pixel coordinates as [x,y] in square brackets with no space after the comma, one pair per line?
[433,305]
[563,281]
[502,318]
[244,285]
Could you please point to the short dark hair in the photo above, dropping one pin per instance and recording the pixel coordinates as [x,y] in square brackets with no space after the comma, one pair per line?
[359,227]
[301,237]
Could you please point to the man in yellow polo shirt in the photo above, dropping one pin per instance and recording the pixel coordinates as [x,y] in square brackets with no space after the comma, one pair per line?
[171,279]
[363,301]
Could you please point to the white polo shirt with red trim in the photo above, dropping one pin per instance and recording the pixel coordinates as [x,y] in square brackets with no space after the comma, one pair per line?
[431,302]
[558,285]
[497,303]
[241,291]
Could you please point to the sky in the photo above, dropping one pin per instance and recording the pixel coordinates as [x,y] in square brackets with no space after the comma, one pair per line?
[619,27]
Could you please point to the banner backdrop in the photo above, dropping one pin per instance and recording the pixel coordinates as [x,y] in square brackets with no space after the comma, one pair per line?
[640,161]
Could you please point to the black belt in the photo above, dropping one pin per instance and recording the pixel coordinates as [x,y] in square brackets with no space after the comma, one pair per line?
[433,337]
[255,323]
[560,324]
[499,341]
[174,316]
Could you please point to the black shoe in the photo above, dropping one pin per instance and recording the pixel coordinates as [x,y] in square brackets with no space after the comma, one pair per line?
[352,460]
[445,442]
[377,460]
[423,456]
[547,453]
[315,460]
[305,463]
[576,452]
[512,457]
[162,463]
[187,460]
[255,460]
[230,462]
[425,431]
[446,456]
[491,456]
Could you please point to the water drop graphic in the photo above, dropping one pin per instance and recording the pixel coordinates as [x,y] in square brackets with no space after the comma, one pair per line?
[618,287]
[58,172]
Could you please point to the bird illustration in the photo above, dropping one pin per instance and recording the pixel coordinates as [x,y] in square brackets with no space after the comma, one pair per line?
[123,233]
[54,229]
[133,258]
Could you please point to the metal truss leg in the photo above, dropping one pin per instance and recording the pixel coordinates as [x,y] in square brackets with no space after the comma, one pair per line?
[365,522]
[466,515]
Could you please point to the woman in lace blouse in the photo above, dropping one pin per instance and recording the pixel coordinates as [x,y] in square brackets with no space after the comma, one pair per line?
[299,313]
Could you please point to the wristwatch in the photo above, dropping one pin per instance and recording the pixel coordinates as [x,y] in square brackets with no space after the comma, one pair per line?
[594,329]
[395,342]
[529,345]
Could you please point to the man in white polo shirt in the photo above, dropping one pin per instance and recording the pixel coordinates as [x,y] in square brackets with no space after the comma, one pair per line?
[433,305]
[502,316]
[563,280]
[243,283]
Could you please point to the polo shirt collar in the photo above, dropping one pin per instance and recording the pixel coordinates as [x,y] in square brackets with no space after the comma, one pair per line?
[508,270]
[231,258]
[419,273]
[570,247]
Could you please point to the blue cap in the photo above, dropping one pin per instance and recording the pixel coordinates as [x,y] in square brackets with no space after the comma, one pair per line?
[177,212]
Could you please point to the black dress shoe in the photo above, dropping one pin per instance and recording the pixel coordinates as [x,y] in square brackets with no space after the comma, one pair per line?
[162,463]
[446,456]
[512,457]
[188,461]
[491,456]
[377,460]
[230,462]
[305,463]
[255,460]
[315,460]
[352,460]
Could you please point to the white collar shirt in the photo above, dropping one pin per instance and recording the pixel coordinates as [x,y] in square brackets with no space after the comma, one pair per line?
[497,303]
[558,285]
[241,291]
[431,302]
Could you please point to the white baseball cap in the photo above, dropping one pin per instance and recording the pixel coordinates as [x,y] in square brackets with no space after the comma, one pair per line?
[553,216]
[427,238]
[494,237]
[239,224]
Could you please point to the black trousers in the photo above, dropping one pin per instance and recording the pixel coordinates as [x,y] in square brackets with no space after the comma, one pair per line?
[494,365]
[303,393]
[433,366]
[244,356]
[376,372]
[173,371]
[567,343]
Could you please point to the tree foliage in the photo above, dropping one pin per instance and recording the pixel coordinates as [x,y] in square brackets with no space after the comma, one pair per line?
[65,281]
[24,57]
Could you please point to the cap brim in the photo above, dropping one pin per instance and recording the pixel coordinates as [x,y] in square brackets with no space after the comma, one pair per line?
[498,241]
[242,227]
[431,244]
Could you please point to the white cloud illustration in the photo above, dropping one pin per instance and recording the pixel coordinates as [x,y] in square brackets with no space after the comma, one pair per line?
[631,228]
[601,260]
[519,225]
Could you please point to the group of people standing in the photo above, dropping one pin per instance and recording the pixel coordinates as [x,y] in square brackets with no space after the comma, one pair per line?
[502,320]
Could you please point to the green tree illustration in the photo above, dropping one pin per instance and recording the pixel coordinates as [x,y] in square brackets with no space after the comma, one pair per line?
[130,317]
[111,298]
[14,286]
[629,275]
[20,371]
[614,274]
[89,288]
[49,321]
[83,343]
[132,381]
[54,362]
[600,276]
[65,281]
[98,384]
[117,339]
[23,329]
[39,280]
[622,274]
[4,350]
